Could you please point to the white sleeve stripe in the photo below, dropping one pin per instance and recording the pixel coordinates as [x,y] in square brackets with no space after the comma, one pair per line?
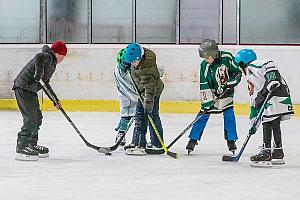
[206,70]
[231,82]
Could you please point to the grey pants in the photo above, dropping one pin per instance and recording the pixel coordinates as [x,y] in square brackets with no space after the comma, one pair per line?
[32,117]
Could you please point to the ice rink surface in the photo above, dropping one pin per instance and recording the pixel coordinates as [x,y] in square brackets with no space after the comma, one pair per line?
[74,171]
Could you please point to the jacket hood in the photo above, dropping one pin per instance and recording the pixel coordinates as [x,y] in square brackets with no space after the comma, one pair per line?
[47,49]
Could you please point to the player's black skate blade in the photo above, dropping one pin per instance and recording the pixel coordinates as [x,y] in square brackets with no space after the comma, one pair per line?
[191,146]
[231,146]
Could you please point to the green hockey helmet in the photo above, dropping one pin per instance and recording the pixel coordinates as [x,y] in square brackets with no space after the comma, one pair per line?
[208,47]
[120,58]
[121,61]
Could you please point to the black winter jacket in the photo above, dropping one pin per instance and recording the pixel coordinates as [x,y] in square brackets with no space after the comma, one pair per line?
[41,67]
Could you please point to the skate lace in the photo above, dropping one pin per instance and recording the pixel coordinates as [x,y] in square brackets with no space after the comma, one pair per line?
[41,148]
[29,149]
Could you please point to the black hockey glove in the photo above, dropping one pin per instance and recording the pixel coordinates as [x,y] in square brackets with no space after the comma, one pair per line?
[273,86]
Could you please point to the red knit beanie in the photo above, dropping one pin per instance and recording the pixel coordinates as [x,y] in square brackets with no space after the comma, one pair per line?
[59,47]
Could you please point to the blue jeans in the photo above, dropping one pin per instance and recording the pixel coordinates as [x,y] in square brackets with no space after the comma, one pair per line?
[141,124]
[229,126]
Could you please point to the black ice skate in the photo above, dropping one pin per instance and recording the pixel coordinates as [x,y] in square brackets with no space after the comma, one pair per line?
[43,151]
[262,159]
[231,146]
[129,146]
[277,156]
[118,137]
[191,145]
[27,153]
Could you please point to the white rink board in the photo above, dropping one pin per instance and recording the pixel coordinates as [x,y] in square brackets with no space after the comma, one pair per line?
[87,71]
[75,172]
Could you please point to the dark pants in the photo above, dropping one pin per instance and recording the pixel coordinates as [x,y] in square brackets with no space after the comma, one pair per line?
[269,128]
[141,124]
[32,117]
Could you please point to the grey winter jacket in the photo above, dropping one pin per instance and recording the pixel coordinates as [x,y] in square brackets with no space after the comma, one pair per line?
[41,67]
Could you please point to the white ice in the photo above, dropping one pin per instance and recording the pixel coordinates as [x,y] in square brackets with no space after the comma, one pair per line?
[74,171]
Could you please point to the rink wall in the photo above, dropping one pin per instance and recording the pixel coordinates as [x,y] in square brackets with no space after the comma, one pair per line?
[85,81]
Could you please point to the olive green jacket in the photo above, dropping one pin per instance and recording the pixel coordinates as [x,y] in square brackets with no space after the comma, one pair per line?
[147,79]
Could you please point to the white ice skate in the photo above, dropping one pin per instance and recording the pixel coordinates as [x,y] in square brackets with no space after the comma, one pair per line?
[261,164]
[24,157]
[278,162]
[136,151]
[26,154]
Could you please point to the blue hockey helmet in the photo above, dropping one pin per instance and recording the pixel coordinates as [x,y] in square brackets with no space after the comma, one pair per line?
[245,55]
[133,52]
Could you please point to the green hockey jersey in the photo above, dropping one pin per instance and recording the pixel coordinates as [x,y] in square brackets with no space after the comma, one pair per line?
[215,78]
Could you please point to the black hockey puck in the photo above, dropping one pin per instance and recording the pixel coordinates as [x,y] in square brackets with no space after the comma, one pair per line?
[108,154]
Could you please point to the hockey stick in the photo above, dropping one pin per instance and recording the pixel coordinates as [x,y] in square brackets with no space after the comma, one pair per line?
[258,117]
[160,151]
[165,149]
[114,147]
[54,100]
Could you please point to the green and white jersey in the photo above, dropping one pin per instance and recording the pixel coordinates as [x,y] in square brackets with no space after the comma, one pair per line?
[259,74]
[214,78]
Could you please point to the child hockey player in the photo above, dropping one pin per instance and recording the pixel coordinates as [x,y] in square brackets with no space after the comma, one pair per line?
[26,85]
[263,77]
[217,73]
[128,96]
[146,78]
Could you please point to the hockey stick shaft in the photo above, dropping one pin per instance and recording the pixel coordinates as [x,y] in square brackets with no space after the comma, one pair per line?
[197,118]
[53,99]
[169,153]
[173,155]
[114,147]
[257,119]
[153,151]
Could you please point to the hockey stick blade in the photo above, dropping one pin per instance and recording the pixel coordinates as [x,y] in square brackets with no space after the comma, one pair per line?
[230,158]
[172,154]
[155,151]
[56,102]
[260,113]
[161,151]
[237,157]
[107,150]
